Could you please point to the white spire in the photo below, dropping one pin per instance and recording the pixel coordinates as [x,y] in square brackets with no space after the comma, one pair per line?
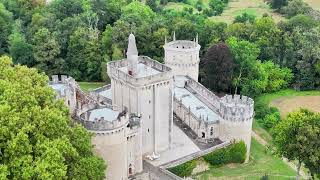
[132,47]
[197,39]
[132,56]
[174,35]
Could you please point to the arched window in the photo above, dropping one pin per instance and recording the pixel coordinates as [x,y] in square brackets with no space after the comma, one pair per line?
[211,131]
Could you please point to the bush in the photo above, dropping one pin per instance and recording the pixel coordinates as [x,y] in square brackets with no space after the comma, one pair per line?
[271,119]
[184,170]
[235,153]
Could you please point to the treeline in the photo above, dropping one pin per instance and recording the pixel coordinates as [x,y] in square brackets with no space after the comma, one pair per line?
[78,38]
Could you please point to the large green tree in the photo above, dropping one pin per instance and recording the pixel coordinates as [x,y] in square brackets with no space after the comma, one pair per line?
[37,138]
[20,50]
[47,51]
[249,74]
[217,67]
[84,55]
[6,23]
[297,138]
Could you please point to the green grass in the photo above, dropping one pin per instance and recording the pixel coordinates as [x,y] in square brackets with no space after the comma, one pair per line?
[87,86]
[261,162]
[268,98]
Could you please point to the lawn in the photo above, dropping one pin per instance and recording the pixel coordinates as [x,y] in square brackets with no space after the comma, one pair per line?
[87,86]
[261,162]
[252,7]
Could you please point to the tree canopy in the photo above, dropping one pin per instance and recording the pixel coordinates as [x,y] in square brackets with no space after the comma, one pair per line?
[37,138]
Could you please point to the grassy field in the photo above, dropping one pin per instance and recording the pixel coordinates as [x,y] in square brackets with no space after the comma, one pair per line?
[261,162]
[87,86]
[234,8]
[315,4]
[285,98]
[252,7]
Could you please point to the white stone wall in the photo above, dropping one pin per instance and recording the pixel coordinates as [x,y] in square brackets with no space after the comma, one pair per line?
[152,102]
[113,149]
[183,58]
[121,149]
[197,125]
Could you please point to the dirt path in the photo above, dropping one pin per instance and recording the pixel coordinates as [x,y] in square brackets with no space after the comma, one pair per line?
[292,165]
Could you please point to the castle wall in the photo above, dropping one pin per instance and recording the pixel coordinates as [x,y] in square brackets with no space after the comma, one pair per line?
[238,113]
[112,147]
[198,125]
[153,103]
[183,58]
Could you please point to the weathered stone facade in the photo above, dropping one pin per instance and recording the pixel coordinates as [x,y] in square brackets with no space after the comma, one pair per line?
[133,117]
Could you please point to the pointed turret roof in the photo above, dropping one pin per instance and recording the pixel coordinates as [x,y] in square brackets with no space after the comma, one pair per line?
[132,47]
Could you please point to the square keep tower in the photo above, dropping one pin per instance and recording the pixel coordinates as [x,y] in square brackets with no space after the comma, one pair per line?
[144,86]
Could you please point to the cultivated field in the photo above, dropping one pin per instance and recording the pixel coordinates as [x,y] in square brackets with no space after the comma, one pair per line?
[289,104]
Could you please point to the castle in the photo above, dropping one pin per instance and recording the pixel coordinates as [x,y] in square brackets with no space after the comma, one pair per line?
[133,117]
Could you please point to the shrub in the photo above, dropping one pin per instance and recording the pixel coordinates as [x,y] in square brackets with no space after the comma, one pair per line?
[235,153]
[184,170]
[270,120]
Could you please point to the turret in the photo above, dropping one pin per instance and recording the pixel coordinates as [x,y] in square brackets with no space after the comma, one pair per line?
[182,56]
[237,112]
[132,56]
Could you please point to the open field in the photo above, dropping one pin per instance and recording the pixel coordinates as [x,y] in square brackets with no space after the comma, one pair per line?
[287,100]
[87,86]
[234,8]
[315,4]
[289,104]
[261,162]
[252,7]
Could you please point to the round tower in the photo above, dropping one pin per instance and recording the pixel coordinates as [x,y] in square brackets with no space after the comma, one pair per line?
[117,139]
[182,57]
[237,112]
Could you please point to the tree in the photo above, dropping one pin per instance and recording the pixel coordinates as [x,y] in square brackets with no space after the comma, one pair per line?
[20,50]
[278,4]
[47,51]
[278,78]
[249,74]
[37,138]
[152,4]
[297,138]
[84,55]
[5,28]
[217,68]
[296,7]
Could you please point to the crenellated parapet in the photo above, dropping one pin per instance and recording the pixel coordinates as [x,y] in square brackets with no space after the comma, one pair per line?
[237,108]
[114,71]
[212,100]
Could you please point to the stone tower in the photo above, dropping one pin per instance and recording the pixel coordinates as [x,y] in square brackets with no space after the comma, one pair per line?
[183,57]
[144,86]
[237,112]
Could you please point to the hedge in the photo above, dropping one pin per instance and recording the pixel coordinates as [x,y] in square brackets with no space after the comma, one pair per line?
[235,153]
[184,170]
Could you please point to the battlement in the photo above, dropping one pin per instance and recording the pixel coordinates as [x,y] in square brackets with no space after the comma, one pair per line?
[163,72]
[212,100]
[237,108]
[96,120]
[182,45]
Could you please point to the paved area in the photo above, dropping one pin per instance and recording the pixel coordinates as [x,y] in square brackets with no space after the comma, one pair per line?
[181,146]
